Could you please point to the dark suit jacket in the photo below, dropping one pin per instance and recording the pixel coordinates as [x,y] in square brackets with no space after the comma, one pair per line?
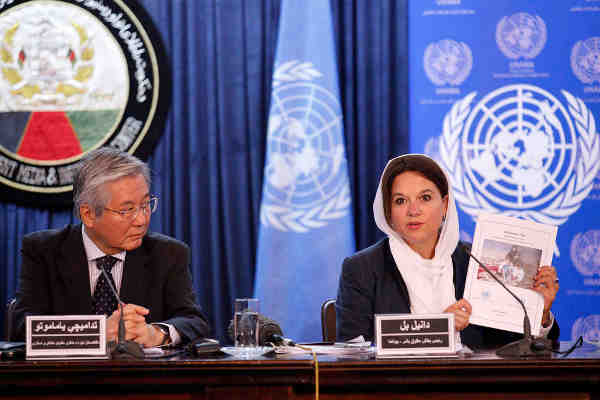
[55,280]
[371,284]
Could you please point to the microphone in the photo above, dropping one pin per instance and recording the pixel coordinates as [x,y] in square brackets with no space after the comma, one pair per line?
[269,331]
[122,348]
[528,346]
[279,340]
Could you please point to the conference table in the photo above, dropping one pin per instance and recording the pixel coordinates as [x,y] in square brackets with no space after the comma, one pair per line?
[271,376]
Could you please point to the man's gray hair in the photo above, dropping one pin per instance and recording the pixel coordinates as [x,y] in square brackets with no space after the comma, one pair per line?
[98,167]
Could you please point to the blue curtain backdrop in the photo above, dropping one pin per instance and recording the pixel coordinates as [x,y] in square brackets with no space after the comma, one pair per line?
[208,164]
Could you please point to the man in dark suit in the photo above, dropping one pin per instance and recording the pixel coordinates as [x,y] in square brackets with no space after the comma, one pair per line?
[60,270]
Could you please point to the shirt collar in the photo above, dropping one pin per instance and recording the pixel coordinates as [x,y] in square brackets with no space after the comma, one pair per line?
[92,251]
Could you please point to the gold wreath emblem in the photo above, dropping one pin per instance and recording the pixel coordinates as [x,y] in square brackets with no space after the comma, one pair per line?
[11,65]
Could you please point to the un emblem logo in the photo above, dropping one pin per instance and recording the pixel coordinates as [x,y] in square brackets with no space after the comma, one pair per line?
[520,152]
[447,62]
[521,35]
[585,60]
[588,328]
[306,185]
[585,252]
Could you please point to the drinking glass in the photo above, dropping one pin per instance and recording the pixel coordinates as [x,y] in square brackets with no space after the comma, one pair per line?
[245,323]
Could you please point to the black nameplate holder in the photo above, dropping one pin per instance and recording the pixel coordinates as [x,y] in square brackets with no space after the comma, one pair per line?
[415,335]
[61,337]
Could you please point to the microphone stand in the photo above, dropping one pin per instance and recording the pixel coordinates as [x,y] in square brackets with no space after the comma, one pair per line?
[528,346]
[122,349]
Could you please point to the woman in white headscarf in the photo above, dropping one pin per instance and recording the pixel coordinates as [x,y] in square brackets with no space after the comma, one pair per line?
[421,266]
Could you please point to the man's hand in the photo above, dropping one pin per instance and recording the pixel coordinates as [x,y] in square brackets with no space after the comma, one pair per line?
[136,328]
[112,326]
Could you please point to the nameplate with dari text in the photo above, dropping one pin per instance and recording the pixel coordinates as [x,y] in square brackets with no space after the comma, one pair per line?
[410,335]
[60,337]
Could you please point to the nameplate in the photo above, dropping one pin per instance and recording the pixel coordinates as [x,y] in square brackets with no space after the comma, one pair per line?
[409,335]
[59,337]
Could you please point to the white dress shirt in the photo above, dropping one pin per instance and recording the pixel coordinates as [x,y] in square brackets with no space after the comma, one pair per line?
[93,253]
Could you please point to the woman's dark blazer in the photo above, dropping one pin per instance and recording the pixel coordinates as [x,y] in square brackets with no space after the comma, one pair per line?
[371,284]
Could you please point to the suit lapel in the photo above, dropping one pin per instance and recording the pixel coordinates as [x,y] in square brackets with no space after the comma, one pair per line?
[460,263]
[390,265]
[74,270]
[135,277]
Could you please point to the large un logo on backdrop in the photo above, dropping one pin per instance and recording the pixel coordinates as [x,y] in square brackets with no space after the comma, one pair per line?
[521,152]
[521,36]
[306,183]
[74,75]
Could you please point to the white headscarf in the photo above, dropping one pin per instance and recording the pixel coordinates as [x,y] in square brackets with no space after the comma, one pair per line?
[429,282]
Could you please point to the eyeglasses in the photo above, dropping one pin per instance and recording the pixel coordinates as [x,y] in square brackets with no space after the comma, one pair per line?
[131,213]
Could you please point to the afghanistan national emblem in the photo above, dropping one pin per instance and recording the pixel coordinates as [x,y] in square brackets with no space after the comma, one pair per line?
[305,173]
[74,76]
[447,62]
[521,36]
[588,328]
[521,152]
[585,60]
[585,252]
